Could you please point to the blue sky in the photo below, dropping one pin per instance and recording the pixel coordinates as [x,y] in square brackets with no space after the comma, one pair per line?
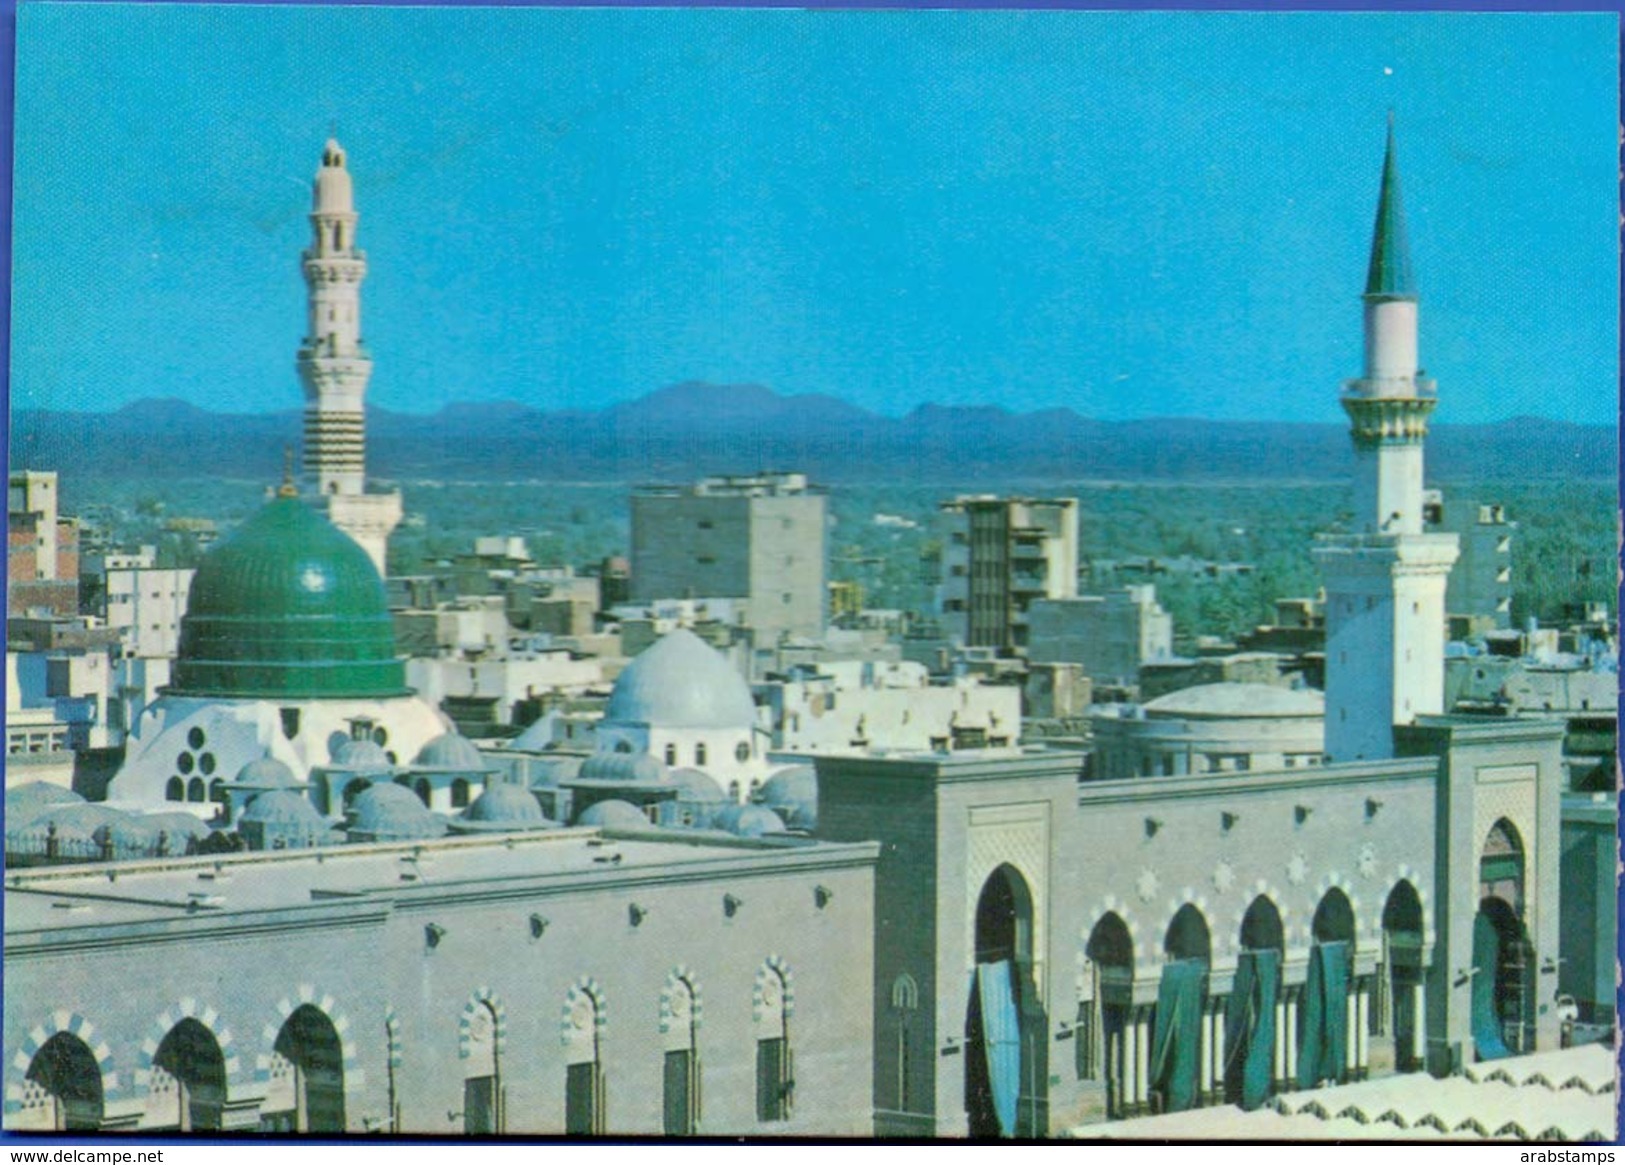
[1130,214]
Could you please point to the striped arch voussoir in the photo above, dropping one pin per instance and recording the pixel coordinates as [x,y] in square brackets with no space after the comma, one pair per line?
[308,996]
[680,977]
[165,1023]
[482,997]
[773,965]
[59,1022]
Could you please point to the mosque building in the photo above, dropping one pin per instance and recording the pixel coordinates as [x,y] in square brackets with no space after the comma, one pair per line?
[931,944]
[287,652]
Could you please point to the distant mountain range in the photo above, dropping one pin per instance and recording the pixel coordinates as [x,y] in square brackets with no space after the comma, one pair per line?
[688,430]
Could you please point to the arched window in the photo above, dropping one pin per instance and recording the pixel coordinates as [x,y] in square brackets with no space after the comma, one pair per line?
[680,1072]
[671,754]
[699,754]
[196,790]
[307,1076]
[459,793]
[423,789]
[217,791]
[175,790]
[483,1096]
[775,1067]
[583,1075]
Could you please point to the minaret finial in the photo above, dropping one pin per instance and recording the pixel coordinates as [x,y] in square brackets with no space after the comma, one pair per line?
[1389,275]
[287,489]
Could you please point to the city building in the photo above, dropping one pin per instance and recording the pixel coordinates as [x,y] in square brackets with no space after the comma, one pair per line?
[335,366]
[1000,555]
[761,538]
[42,548]
[1111,635]
[873,706]
[134,596]
[1480,586]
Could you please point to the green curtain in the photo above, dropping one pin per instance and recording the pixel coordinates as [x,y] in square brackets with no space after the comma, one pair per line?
[1249,1028]
[1488,1041]
[1323,1017]
[1177,1032]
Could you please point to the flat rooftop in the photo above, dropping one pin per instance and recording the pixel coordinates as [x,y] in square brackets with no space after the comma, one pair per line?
[51,900]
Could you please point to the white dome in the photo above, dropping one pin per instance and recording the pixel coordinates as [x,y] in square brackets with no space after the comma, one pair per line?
[681,682]
[1236,700]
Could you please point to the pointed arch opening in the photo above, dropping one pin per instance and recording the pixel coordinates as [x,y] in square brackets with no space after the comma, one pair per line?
[1399,1010]
[306,1093]
[1249,1022]
[187,1090]
[1005,1080]
[1324,1025]
[680,1070]
[1104,1012]
[482,1070]
[1176,1077]
[62,1089]
[1503,992]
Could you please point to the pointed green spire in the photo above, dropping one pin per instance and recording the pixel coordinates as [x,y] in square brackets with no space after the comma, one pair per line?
[1389,276]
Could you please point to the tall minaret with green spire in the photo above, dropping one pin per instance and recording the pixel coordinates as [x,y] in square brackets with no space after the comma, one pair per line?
[1385,581]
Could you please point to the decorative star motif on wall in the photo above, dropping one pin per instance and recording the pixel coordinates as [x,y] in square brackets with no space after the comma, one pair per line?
[1223,877]
[1297,869]
[1367,861]
[1146,885]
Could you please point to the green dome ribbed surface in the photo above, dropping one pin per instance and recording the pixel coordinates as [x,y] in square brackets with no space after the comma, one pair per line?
[289,606]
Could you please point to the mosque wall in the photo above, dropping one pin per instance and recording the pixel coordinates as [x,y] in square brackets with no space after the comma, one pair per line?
[546,968]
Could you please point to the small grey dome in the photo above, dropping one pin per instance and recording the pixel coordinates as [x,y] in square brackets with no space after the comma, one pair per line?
[505,806]
[1233,700]
[283,807]
[792,793]
[613,814]
[697,787]
[267,773]
[623,768]
[386,812]
[681,682]
[450,750]
[748,821]
[24,799]
[361,756]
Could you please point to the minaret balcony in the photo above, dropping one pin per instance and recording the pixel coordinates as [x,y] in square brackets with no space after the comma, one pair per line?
[1419,387]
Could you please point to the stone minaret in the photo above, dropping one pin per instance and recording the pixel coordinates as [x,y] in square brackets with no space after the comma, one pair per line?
[335,367]
[1385,583]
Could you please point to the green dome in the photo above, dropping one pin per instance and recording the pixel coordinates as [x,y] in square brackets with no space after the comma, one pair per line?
[287,607]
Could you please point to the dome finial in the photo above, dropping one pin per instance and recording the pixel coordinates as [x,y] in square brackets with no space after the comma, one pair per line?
[287,489]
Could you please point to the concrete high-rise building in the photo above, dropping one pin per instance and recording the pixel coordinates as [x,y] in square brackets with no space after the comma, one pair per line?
[42,548]
[762,538]
[1111,635]
[1480,589]
[998,556]
[1385,580]
[334,366]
